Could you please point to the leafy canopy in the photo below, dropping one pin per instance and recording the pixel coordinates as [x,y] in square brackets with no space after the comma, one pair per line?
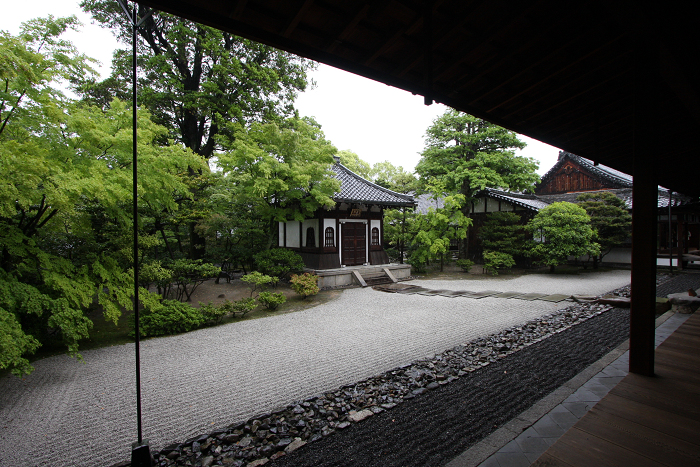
[467,154]
[195,79]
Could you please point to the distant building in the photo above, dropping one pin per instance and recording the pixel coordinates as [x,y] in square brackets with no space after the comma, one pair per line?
[573,175]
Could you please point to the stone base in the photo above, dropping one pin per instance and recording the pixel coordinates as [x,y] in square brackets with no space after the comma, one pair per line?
[343,277]
[683,303]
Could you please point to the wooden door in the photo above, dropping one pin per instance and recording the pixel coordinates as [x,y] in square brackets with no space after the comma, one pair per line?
[354,241]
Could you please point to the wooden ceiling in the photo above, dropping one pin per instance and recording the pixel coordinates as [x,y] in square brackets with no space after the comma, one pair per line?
[602,79]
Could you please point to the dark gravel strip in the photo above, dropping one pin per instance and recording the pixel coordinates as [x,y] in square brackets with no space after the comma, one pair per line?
[435,427]
[678,283]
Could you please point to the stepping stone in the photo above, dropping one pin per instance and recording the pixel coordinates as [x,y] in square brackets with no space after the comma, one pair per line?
[557,297]
[463,293]
[457,293]
[412,290]
[508,294]
[433,292]
[485,293]
[531,296]
[446,293]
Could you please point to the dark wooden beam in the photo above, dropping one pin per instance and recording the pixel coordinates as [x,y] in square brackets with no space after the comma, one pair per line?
[645,206]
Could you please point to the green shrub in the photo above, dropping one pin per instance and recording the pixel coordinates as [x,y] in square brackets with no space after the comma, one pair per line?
[167,317]
[212,314]
[279,262]
[258,281]
[465,264]
[495,260]
[305,284]
[271,300]
[242,306]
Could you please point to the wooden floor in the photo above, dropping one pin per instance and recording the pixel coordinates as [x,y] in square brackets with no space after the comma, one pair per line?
[643,421]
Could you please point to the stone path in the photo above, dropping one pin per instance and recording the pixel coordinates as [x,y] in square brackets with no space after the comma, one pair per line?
[69,412]
[527,447]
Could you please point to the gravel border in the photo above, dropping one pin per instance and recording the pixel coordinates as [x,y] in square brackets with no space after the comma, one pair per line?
[540,356]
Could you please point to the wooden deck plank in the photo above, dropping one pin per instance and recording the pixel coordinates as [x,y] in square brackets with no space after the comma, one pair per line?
[580,448]
[643,420]
[654,444]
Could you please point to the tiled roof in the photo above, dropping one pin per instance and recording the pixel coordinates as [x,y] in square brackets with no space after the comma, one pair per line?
[355,189]
[537,202]
[426,201]
[615,177]
[525,200]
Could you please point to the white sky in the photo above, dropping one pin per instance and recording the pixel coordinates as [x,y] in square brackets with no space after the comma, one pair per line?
[376,121]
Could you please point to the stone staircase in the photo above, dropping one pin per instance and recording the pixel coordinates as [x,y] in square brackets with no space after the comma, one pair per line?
[374,276]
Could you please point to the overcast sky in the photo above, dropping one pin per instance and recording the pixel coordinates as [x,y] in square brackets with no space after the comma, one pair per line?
[376,121]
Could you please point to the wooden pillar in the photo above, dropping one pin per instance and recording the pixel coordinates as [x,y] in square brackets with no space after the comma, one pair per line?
[644,206]
[643,302]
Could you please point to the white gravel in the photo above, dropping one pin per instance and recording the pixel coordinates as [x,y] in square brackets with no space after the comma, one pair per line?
[84,413]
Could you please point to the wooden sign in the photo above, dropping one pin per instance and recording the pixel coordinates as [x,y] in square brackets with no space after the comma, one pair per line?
[355,213]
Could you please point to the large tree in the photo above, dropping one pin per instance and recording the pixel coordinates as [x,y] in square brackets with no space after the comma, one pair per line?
[468,154]
[65,200]
[197,80]
[283,170]
[465,154]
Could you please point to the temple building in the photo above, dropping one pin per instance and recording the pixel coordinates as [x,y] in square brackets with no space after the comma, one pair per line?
[349,234]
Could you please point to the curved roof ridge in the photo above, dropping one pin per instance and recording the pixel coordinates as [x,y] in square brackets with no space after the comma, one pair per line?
[371,193]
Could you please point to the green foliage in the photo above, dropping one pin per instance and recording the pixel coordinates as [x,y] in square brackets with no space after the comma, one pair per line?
[195,79]
[504,232]
[466,154]
[242,306]
[212,314]
[279,262]
[167,317]
[436,229]
[187,275]
[15,344]
[609,218]
[394,178]
[562,230]
[353,162]
[259,281]
[305,284]
[271,300]
[283,169]
[465,264]
[495,260]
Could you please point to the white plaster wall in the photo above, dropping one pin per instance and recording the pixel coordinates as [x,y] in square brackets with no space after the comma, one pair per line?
[280,242]
[479,205]
[306,224]
[505,206]
[492,205]
[293,240]
[328,223]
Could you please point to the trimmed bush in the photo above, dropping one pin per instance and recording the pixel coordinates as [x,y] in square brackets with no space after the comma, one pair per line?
[167,317]
[242,306]
[258,281]
[279,262]
[212,314]
[495,260]
[465,264]
[271,300]
[305,284]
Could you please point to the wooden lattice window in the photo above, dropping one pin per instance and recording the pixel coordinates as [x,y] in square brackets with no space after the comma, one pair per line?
[375,236]
[310,238]
[330,237]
